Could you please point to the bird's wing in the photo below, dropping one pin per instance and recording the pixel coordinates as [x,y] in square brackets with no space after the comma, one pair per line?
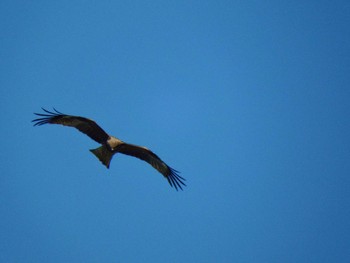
[145,154]
[87,126]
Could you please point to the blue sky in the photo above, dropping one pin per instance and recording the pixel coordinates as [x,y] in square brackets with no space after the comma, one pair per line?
[248,99]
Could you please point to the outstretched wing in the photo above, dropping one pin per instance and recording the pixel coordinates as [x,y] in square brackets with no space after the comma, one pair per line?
[87,126]
[145,154]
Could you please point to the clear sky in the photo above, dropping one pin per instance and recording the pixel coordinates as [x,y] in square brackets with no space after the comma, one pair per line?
[248,99]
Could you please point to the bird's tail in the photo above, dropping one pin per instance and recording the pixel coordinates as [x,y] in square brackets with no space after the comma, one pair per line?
[103,154]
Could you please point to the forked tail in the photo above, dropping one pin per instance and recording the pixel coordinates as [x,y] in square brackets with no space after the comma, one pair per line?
[103,154]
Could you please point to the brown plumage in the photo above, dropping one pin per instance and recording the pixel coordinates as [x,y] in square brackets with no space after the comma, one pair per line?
[110,145]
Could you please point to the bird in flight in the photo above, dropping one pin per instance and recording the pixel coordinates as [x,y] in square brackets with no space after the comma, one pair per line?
[110,145]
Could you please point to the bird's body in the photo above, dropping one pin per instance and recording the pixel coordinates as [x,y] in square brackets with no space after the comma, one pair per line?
[113,142]
[106,151]
[110,144]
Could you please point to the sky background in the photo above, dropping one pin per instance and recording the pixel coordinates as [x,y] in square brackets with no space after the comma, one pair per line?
[248,99]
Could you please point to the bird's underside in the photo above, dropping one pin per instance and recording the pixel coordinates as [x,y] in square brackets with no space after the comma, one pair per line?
[110,145]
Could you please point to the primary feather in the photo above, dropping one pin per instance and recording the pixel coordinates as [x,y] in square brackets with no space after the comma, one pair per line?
[110,145]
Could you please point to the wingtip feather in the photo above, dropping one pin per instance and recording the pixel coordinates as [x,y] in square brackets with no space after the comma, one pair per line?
[175,180]
[45,117]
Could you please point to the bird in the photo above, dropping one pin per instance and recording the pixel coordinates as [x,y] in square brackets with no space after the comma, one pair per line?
[110,144]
